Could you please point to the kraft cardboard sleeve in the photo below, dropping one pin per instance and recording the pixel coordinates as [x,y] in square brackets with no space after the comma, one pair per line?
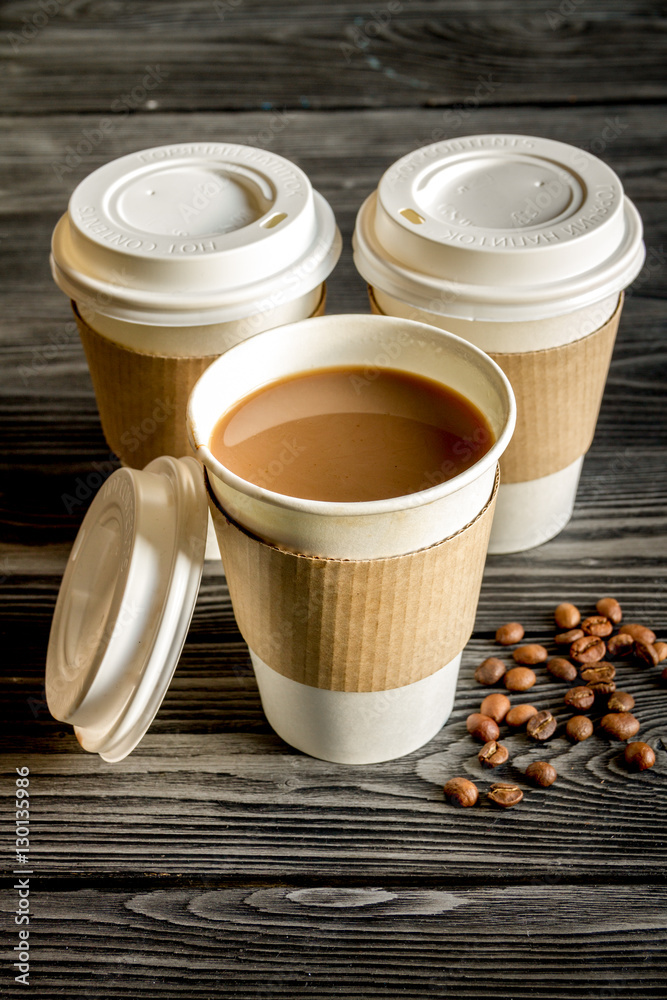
[355,625]
[558,396]
[142,398]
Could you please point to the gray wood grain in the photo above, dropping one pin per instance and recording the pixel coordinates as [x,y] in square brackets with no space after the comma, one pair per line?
[381,941]
[250,54]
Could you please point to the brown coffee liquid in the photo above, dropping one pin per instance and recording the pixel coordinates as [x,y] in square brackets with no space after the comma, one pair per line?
[351,434]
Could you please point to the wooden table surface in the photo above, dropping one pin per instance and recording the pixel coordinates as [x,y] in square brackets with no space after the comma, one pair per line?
[216,861]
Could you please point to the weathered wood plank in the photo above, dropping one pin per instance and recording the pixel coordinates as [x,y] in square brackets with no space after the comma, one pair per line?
[565,941]
[211,784]
[248,54]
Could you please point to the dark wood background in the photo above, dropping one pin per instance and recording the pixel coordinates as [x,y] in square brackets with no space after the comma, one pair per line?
[216,861]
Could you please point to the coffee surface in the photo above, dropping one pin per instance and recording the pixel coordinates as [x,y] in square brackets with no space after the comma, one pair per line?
[351,434]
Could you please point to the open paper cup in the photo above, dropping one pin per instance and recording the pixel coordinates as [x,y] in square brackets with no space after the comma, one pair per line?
[355,613]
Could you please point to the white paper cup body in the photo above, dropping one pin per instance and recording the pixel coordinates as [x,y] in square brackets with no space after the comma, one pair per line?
[517,244]
[527,513]
[351,727]
[196,341]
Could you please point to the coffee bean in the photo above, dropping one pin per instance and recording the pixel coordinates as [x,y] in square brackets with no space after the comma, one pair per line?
[598,672]
[638,632]
[490,671]
[597,625]
[567,616]
[661,650]
[461,792]
[519,715]
[493,754]
[610,608]
[645,653]
[530,655]
[620,725]
[602,688]
[580,697]
[620,645]
[579,728]
[541,773]
[567,638]
[482,727]
[496,706]
[561,668]
[510,633]
[621,701]
[639,756]
[590,649]
[519,679]
[541,726]
[504,794]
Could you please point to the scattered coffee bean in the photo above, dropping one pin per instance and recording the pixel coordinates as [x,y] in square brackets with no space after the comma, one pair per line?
[519,715]
[597,625]
[461,792]
[621,701]
[519,679]
[638,632]
[510,633]
[645,653]
[493,754]
[580,697]
[561,668]
[590,649]
[598,672]
[639,756]
[530,655]
[482,727]
[620,725]
[567,638]
[620,645]
[490,671]
[541,726]
[602,688]
[610,608]
[504,794]
[661,650]
[541,773]
[496,706]
[567,616]
[579,728]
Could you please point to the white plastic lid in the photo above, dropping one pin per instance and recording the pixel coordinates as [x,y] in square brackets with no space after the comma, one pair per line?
[499,227]
[193,233]
[125,603]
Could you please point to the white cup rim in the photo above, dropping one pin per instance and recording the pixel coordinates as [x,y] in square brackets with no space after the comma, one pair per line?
[365,507]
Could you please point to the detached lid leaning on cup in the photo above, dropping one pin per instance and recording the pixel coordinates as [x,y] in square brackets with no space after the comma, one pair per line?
[126,602]
[495,227]
[193,234]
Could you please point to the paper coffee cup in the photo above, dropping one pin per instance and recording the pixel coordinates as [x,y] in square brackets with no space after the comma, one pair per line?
[173,254]
[522,246]
[355,613]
